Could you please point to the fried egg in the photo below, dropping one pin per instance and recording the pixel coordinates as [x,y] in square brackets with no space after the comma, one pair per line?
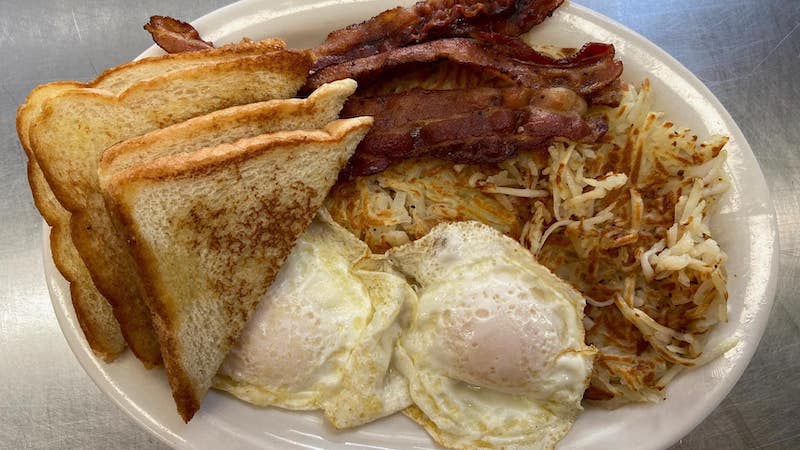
[494,354]
[323,335]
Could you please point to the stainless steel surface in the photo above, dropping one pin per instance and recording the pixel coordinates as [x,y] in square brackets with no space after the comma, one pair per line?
[747,53]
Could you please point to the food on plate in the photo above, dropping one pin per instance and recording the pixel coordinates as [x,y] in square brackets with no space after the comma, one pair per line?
[397,27]
[586,72]
[485,124]
[323,336]
[514,232]
[624,220]
[228,126]
[495,354]
[648,247]
[478,125]
[430,20]
[92,310]
[78,123]
[485,326]
[479,37]
[175,36]
[209,230]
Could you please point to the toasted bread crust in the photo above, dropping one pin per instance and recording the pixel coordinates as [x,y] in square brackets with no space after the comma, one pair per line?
[94,313]
[27,113]
[92,310]
[319,109]
[165,62]
[132,315]
[125,191]
[72,189]
[105,328]
[206,160]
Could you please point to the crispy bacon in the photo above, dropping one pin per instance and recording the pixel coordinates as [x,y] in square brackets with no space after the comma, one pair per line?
[609,95]
[516,48]
[588,71]
[481,125]
[175,36]
[430,20]
[476,125]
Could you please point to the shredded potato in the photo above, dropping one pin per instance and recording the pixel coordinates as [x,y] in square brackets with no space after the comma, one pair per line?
[625,221]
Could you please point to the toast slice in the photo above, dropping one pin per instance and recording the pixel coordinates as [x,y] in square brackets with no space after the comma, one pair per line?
[119,78]
[209,230]
[75,126]
[92,310]
[229,125]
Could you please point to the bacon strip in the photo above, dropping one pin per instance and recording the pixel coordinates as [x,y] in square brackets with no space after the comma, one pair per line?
[430,20]
[516,48]
[482,125]
[588,71]
[175,36]
[609,95]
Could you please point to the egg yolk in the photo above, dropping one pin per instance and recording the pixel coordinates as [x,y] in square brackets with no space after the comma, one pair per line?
[503,341]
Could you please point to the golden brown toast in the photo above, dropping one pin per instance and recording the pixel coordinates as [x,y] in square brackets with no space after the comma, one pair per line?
[92,310]
[209,230]
[229,125]
[75,126]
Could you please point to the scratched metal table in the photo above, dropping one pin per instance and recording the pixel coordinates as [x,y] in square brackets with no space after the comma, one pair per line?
[746,51]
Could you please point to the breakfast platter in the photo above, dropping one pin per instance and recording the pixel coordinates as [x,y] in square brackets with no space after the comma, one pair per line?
[744,226]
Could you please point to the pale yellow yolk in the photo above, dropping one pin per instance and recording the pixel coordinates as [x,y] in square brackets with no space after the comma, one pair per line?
[502,342]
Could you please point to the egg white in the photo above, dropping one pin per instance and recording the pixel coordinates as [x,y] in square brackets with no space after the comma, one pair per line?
[494,355]
[323,336]
[373,388]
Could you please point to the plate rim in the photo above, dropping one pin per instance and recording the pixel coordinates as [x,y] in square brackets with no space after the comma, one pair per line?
[93,366]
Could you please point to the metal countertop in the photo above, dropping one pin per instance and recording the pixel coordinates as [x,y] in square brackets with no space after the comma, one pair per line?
[746,51]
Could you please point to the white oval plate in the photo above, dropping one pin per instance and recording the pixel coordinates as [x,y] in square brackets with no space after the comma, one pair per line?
[745,228]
